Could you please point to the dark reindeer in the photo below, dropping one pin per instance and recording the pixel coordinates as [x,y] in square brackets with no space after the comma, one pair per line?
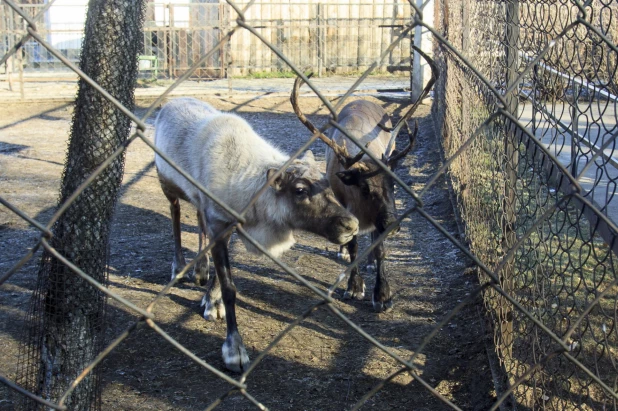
[223,153]
[360,184]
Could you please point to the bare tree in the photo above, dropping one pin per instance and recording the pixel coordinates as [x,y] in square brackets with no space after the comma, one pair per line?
[66,311]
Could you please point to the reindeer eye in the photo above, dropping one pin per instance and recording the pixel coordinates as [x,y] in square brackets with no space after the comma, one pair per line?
[301,191]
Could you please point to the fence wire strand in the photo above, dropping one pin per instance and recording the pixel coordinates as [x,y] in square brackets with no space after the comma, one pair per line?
[535,198]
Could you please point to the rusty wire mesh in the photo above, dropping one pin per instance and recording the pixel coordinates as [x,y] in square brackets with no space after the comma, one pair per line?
[544,245]
[536,184]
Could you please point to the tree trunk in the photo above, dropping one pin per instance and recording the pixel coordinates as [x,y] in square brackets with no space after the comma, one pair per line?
[67,312]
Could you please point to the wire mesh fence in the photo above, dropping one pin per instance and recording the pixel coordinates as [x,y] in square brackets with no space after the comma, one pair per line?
[543,244]
[536,184]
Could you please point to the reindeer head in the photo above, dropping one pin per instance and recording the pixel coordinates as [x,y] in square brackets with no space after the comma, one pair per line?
[374,202]
[306,202]
[375,187]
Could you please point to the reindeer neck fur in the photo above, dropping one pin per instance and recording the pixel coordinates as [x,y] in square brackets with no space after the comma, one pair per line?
[266,224]
[360,118]
[271,226]
[239,160]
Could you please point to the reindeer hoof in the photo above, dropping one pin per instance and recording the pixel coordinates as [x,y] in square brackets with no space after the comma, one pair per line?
[356,288]
[213,311]
[344,256]
[234,353]
[371,268]
[200,277]
[382,298]
[383,306]
[348,295]
[201,272]
[176,270]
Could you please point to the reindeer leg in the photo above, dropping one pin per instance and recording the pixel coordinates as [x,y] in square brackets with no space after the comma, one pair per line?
[202,266]
[371,262]
[234,353]
[179,259]
[212,302]
[343,253]
[356,285]
[382,298]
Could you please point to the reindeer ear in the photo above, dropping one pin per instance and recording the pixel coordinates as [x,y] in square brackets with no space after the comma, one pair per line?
[350,177]
[309,156]
[278,182]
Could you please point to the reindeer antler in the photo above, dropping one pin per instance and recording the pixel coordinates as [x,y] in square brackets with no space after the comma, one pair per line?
[340,151]
[403,120]
[395,155]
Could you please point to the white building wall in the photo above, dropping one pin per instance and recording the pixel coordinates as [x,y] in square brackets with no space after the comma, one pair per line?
[65,19]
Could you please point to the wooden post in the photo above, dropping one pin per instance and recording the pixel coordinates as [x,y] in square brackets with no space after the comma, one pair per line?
[9,61]
[321,40]
[465,35]
[223,54]
[20,63]
[9,70]
[169,43]
[318,39]
[183,51]
[376,33]
[196,30]
[226,53]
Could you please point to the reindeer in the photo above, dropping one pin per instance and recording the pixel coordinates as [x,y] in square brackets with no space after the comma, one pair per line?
[360,184]
[223,153]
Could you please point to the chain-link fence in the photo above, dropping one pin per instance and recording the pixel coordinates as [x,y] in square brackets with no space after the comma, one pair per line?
[532,83]
[543,244]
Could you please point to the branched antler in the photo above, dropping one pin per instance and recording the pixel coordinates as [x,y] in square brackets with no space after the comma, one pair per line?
[340,151]
[396,155]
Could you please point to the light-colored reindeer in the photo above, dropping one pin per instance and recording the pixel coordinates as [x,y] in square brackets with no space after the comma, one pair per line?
[223,153]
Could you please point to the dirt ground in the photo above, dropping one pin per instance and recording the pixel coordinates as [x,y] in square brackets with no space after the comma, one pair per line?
[320,365]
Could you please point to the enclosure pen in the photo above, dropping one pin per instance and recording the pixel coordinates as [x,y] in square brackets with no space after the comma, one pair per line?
[525,107]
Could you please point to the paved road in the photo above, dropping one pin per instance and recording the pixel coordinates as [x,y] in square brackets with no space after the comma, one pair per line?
[596,125]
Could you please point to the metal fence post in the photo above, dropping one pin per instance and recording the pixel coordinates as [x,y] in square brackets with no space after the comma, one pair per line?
[417,69]
[535,81]
[574,128]
[505,310]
